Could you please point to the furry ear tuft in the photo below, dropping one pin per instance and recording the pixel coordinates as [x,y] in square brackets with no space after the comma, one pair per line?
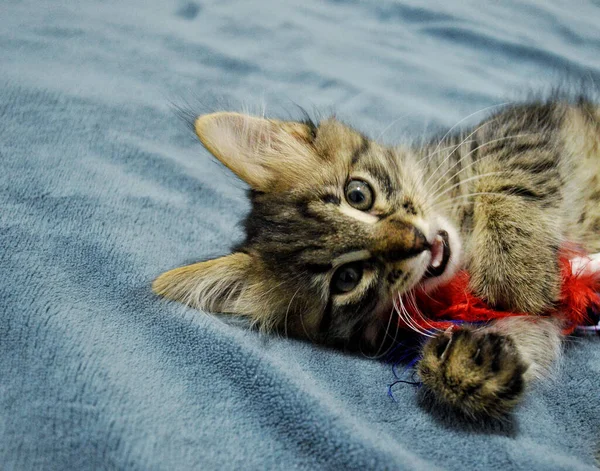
[267,154]
[231,284]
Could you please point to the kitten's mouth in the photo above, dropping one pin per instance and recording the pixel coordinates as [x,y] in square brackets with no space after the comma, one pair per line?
[440,256]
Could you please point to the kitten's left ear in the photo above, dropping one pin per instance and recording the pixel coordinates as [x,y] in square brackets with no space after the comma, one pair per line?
[267,154]
[236,283]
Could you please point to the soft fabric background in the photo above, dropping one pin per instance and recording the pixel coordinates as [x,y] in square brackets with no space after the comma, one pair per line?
[102,188]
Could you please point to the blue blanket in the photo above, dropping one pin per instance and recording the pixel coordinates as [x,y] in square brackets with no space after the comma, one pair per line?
[102,188]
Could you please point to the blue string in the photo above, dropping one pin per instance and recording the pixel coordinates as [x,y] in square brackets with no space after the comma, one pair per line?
[401,360]
[391,394]
[410,365]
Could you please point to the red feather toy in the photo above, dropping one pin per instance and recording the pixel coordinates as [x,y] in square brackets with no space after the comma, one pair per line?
[454,303]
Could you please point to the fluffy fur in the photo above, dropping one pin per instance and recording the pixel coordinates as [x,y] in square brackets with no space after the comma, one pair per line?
[508,193]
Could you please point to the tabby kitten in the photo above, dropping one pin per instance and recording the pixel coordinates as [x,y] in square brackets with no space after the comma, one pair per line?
[341,225]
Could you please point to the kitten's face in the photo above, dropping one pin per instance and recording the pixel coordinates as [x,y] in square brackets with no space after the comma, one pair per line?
[339,227]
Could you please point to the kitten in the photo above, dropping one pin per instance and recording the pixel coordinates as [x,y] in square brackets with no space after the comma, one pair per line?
[341,225]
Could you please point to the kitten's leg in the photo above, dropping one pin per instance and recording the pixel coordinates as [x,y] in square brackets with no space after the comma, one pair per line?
[484,372]
[513,249]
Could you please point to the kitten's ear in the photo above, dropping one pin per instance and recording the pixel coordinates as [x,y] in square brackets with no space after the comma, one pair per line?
[269,155]
[231,284]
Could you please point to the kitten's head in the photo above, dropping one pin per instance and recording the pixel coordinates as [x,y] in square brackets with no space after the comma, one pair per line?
[339,227]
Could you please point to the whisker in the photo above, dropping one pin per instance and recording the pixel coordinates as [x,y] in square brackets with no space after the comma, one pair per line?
[406,115]
[413,300]
[404,314]
[386,334]
[427,156]
[476,161]
[432,328]
[376,355]
[394,338]
[464,119]
[456,148]
[444,204]
[476,177]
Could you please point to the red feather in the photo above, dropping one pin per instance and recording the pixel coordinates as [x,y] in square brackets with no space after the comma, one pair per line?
[454,303]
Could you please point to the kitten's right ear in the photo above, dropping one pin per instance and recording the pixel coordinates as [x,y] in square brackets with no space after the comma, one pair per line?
[267,154]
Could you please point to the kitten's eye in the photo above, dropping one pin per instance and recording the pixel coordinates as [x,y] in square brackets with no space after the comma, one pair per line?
[359,195]
[347,277]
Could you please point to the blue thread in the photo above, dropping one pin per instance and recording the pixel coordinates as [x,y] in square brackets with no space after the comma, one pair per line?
[399,361]
[414,382]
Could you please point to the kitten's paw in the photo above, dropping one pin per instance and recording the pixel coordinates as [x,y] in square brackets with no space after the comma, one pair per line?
[478,373]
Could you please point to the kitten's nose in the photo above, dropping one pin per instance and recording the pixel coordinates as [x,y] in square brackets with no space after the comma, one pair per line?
[398,240]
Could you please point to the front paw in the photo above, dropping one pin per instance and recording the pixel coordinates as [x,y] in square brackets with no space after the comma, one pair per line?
[478,373]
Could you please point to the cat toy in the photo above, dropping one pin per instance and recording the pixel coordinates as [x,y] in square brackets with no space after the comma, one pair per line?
[453,304]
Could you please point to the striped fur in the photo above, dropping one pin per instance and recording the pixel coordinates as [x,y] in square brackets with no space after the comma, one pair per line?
[508,192]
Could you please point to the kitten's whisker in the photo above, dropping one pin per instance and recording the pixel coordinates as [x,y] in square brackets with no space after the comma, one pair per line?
[384,336]
[463,120]
[445,204]
[423,318]
[392,338]
[456,148]
[405,316]
[404,319]
[476,177]
[452,201]
[392,123]
[427,156]
[413,301]
[476,161]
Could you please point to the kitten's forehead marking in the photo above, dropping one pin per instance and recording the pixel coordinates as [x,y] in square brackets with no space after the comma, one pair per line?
[351,257]
[357,214]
